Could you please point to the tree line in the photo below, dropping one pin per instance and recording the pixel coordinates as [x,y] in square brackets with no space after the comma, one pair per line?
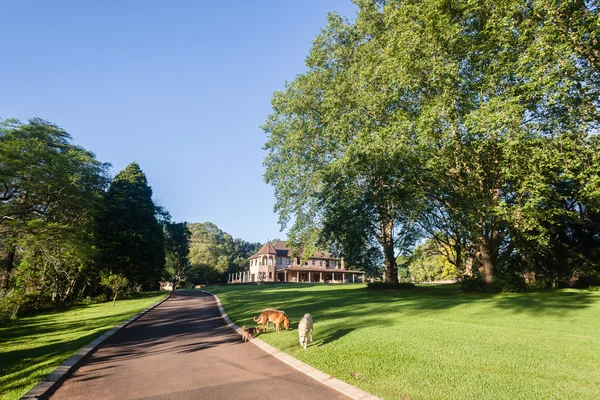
[68,231]
[214,254]
[473,124]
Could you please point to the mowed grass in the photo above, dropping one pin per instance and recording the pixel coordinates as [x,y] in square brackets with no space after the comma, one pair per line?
[434,342]
[32,347]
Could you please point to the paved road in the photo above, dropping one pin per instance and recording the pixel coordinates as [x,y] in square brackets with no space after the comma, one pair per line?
[183,349]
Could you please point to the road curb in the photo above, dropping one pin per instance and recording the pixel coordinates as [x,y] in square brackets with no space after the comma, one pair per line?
[46,387]
[351,391]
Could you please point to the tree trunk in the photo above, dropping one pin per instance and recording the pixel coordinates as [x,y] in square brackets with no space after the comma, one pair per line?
[391,269]
[115,298]
[487,263]
[10,260]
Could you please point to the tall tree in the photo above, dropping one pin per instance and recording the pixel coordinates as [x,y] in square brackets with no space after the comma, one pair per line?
[177,248]
[340,148]
[48,186]
[130,237]
[460,111]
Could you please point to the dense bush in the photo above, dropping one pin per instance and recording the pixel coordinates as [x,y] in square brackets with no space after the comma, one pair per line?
[585,282]
[476,285]
[509,283]
[390,286]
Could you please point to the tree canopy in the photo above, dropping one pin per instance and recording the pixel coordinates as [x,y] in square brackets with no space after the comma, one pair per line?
[214,253]
[130,236]
[472,122]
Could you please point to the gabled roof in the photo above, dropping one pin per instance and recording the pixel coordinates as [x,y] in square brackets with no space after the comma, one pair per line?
[281,250]
[266,248]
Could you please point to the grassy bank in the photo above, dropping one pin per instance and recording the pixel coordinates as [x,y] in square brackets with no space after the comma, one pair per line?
[32,347]
[434,342]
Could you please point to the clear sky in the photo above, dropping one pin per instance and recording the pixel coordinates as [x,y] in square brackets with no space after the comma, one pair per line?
[181,87]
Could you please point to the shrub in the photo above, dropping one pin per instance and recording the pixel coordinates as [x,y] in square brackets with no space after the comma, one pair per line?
[586,281]
[390,286]
[13,303]
[472,285]
[509,283]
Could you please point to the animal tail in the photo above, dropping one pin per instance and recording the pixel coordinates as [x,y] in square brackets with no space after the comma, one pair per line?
[256,320]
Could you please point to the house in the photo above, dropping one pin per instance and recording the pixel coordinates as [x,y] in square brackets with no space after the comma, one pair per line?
[275,263]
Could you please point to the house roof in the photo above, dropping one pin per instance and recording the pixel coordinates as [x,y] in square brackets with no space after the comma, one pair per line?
[266,248]
[281,250]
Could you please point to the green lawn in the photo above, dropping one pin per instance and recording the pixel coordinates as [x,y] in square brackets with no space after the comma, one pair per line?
[32,347]
[434,342]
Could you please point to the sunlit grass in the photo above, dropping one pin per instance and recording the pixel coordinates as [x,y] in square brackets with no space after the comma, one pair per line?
[32,347]
[434,342]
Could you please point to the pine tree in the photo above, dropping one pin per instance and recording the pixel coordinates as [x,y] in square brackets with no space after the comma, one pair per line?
[130,236]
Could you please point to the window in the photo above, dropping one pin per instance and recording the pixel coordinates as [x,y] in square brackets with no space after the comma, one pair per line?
[278,260]
[270,275]
[332,264]
[287,261]
[320,263]
[314,263]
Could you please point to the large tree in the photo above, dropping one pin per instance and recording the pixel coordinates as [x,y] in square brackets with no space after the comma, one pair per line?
[130,237]
[340,148]
[471,114]
[177,247]
[50,192]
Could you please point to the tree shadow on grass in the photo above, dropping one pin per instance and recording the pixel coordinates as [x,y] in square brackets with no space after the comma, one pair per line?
[331,337]
[36,359]
[334,303]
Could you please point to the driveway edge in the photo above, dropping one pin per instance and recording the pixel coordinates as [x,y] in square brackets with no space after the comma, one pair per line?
[351,391]
[47,386]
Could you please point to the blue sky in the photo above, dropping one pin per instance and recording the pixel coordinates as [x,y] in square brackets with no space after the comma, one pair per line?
[180,87]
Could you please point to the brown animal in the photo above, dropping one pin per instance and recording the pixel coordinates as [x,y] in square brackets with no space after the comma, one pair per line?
[275,316]
[250,332]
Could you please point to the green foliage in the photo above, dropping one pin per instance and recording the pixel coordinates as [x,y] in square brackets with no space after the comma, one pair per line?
[51,191]
[339,149]
[479,117]
[177,248]
[585,282]
[508,283]
[131,240]
[476,285]
[428,263]
[214,254]
[116,283]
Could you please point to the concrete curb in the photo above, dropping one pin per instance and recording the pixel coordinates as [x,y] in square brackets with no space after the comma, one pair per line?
[343,387]
[47,386]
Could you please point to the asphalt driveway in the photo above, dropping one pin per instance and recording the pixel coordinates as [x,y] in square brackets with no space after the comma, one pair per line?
[183,349]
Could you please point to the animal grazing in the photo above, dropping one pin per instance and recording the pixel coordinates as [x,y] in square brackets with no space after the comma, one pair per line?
[250,332]
[277,317]
[305,329]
